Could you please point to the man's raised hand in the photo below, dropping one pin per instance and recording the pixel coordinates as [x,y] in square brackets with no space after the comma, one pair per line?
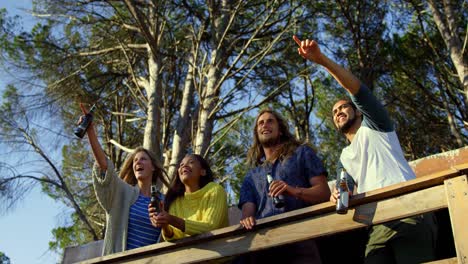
[309,49]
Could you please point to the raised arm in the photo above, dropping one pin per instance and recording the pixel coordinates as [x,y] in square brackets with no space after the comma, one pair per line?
[98,153]
[310,50]
[107,184]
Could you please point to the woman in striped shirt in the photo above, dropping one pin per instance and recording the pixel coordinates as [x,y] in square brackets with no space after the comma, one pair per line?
[125,197]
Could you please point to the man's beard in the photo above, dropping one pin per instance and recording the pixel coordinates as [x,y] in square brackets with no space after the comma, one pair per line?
[346,126]
[269,142]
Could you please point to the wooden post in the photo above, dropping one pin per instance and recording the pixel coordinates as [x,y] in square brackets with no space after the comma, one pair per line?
[456,190]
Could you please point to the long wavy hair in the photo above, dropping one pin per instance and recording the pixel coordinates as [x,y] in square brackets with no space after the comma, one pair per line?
[177,188]
[287,141]
[128,175]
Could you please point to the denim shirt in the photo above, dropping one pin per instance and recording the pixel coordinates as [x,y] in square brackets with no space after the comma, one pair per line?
[296,171]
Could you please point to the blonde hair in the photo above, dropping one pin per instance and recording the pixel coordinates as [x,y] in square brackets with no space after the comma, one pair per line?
[128,175]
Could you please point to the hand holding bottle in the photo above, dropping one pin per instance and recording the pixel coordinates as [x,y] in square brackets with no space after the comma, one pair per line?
[155,200]
[342,201]
[278,198]
[84,121]
[156,211]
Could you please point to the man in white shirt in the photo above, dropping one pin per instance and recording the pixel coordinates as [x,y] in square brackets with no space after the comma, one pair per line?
[374,159]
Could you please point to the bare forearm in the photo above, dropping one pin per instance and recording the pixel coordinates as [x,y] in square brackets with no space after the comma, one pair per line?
[248,209]
[248,215]
[313,195]
[98,153]
[177,222]
[319,191]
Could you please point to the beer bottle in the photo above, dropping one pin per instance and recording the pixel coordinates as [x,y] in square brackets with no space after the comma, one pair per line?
[278,201]
[155,198]
[343,190]
[80,130]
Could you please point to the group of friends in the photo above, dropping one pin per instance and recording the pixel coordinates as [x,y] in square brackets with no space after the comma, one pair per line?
[195,204]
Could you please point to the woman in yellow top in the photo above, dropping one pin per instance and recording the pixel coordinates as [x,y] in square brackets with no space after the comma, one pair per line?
[194,204]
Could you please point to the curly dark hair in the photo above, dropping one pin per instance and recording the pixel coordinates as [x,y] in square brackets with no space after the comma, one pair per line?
[177,188]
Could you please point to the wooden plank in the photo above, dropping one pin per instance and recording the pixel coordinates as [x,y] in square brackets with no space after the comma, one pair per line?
[323,208]
[319,209]
[405,187]
[441,161]
[463,168]
[265,237]
[457,200]
[420,183]
[444,261]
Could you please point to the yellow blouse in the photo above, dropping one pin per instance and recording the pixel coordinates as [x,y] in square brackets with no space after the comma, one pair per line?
[202,211]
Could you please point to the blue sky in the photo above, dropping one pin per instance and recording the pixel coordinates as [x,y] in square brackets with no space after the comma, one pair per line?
[26,231]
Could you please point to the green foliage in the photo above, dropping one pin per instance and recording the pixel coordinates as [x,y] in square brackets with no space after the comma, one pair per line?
[330,142]
[229,156]
[85,52]
[4,259]
[72,235]
[18,132]
[415,97]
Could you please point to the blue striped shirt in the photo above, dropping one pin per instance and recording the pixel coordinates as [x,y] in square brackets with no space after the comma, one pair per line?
[140,231]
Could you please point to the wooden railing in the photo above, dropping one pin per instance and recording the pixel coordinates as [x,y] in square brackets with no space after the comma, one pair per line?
[445,186]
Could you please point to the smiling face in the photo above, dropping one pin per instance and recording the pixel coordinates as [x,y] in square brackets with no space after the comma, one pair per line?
[344,115]
[190,171]
[268,130]
[143,167]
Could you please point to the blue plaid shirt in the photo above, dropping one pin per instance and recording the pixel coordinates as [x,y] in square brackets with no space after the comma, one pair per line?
[296,171]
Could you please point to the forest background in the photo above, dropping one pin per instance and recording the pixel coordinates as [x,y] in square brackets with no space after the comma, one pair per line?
[189,76]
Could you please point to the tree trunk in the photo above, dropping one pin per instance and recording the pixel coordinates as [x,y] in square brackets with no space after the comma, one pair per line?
[210,96]
[448,29]
[209,100]
[152,136]
[181,133]
[451,121]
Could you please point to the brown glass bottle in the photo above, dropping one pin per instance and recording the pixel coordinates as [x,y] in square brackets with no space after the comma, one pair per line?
[278,201]
[80,130]
[343,190]
[155,202]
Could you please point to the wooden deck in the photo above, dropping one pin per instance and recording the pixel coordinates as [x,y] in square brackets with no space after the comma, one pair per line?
[444,186]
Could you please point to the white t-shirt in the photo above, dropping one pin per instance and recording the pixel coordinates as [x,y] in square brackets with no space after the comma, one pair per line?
[374,159]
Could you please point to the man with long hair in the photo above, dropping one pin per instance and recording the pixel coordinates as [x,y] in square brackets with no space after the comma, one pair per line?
[298,175]
[374,159]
